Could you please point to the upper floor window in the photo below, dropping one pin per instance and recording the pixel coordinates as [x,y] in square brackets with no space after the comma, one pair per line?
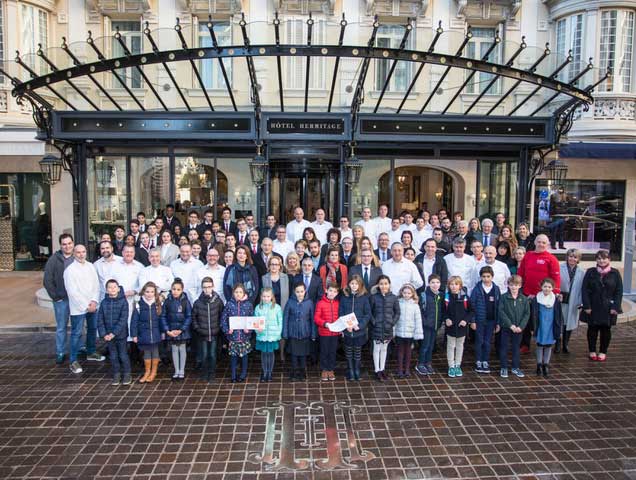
[569,36]
[210,70]
[477,47]
[34,31]
[131,35]
[390,36]
[295,66]
[616,50]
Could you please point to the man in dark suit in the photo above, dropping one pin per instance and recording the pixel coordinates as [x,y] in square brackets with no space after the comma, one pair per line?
[227,225]
[261,259]
[348,258]
[486,236]
[312,282]
[369,272]
[383,252]
[241,232]
[463,233]
[134,230]
[142,252]
[169,220]
[206,224]
[269,230]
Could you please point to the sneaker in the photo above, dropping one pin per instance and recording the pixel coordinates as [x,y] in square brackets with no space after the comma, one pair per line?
[82,350]
[331,375]
[451,372]
[593,356]
[503,373]
[485,368]
[324,376]
[127,380]
[429,369]
[59,359]
[115,381]
[76,368]
[458,371]
[421,369]
[478,366]
[518,372]
[95,357]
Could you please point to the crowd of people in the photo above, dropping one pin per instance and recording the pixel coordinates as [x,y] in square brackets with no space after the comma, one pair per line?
[165,286]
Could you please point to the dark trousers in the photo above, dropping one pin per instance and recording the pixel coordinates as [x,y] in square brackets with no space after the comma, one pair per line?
[513,341]
[208,356]
[483,340]
[526,335]
[557,231]
[118,353]
[328,348]
[427,345]
[592,337]
[234,360]
[299,362]
[404,354]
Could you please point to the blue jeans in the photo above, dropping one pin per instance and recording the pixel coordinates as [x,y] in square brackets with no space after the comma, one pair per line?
[118,352]
[426,346]
[234,360]
[62,314]
[483,339]
[77,325]
[208,356]
[510,339]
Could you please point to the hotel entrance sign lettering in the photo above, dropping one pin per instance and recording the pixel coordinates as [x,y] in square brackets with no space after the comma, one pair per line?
[318,423]
[304,126]
[312,126]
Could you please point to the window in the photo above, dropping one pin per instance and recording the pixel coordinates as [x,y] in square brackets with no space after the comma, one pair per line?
[131,35]
[295,67]
[616,49]
[497,189]
[569,35]
[35,30]
[478,45]
[107,195]
[593,211]
[390,36]
[149,184]
[210,70]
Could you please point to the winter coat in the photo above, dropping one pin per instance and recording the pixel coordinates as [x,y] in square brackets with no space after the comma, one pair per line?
[247,275]
[206,313]
[326,312]
[513,311]
[358,304]
[409,325]
[479,302]
[574,291]
[385,313]
[54,277]
[298,319]
[273,322]
[146,323]
[457,309]
[433,309]
[557,323]
[601,295]
[112,316]
[283,283]
[234,308]
[341,275]
[176,314]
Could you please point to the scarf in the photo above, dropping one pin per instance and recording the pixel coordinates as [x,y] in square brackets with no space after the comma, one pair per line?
[603,271]
[546,300]
[332,270]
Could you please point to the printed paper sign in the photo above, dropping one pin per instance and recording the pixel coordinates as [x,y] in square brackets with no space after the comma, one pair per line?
[247,323]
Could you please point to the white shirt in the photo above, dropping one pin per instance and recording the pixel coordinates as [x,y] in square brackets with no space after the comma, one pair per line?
[395,236]
[295,229]
[283,248]
[127,275]
[461,267]
[216,274]
[412,227]
[159,275]
[401,273]
[321,230]
[348,233]
[382,225]
[500,270]
[427,266]
[420,236]
[188,273]
[104,270]
[82,286]
[370,230]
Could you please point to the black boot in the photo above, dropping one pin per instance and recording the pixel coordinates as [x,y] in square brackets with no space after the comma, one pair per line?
[350,374]
[557,346]
[566,340]
[356,369]
[544,367]
[539,370]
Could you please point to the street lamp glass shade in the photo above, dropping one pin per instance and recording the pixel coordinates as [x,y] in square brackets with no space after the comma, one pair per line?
[104,171]
[353,168]
[51,168]
[556,171]
[258,170]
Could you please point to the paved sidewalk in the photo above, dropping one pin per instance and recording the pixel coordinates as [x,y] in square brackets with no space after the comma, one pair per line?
[19,307]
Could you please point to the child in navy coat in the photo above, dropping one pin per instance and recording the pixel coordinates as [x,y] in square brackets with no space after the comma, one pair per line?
[112,324]
[176,317]
[145,329]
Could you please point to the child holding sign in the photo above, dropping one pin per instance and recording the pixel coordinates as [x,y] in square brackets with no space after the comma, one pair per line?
[239,340]
[268,336]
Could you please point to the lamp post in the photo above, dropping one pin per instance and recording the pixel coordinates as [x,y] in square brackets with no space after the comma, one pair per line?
[556,171]
[104,171]
[258,168]
[51,168]
[353,168]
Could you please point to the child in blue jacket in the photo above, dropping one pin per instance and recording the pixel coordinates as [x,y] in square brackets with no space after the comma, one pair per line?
[299,330]
[355,299]
[112,324]
[485,299]
[176,317]
[239,340]
[145,329]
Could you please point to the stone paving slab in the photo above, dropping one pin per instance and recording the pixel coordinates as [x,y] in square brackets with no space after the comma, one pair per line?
[578,424]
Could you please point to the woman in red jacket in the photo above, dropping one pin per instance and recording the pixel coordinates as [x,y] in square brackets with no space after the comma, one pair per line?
[326,313]
[333,271]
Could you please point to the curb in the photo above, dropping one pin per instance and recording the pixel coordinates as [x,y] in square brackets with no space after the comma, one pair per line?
[9,329]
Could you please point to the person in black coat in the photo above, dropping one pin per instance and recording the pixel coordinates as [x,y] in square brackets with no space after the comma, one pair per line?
[385,313]
[369,272]
[206,315]
[269,230]
[227,225]
[169,220]
[430,253]
[261,258]
[314,291]
[355,299]
[112,324]
[602,296]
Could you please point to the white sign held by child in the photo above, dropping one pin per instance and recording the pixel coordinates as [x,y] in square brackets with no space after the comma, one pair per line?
[247,323]
[344,322]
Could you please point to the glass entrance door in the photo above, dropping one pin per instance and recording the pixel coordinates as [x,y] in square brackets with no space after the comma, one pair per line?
[309,190]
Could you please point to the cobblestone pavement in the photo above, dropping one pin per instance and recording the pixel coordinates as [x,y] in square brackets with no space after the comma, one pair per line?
[578,424]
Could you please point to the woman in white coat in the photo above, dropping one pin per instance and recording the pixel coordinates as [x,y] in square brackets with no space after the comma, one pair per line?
[571,286]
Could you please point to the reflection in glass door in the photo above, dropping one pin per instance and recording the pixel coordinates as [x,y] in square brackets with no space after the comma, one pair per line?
[310,191]
[292,187]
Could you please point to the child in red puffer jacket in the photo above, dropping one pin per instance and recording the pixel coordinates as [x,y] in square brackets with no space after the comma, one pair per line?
[326,313]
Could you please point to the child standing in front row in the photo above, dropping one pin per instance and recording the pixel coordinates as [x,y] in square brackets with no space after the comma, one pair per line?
[514,313]
[385,312]
[407,328]
[268,337]
[145,329]
[206,313]
[299,330]
[176,317]
[433,311]
[484,299]
[546,319]
[239,340]
[327,312]
[112,323]
[458,316]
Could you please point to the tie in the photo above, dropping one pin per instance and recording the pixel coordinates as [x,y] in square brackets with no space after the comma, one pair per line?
[306,282]
[384,256]
[242,240]
[254,249]
[227,227]
[365,277]
[486,240]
